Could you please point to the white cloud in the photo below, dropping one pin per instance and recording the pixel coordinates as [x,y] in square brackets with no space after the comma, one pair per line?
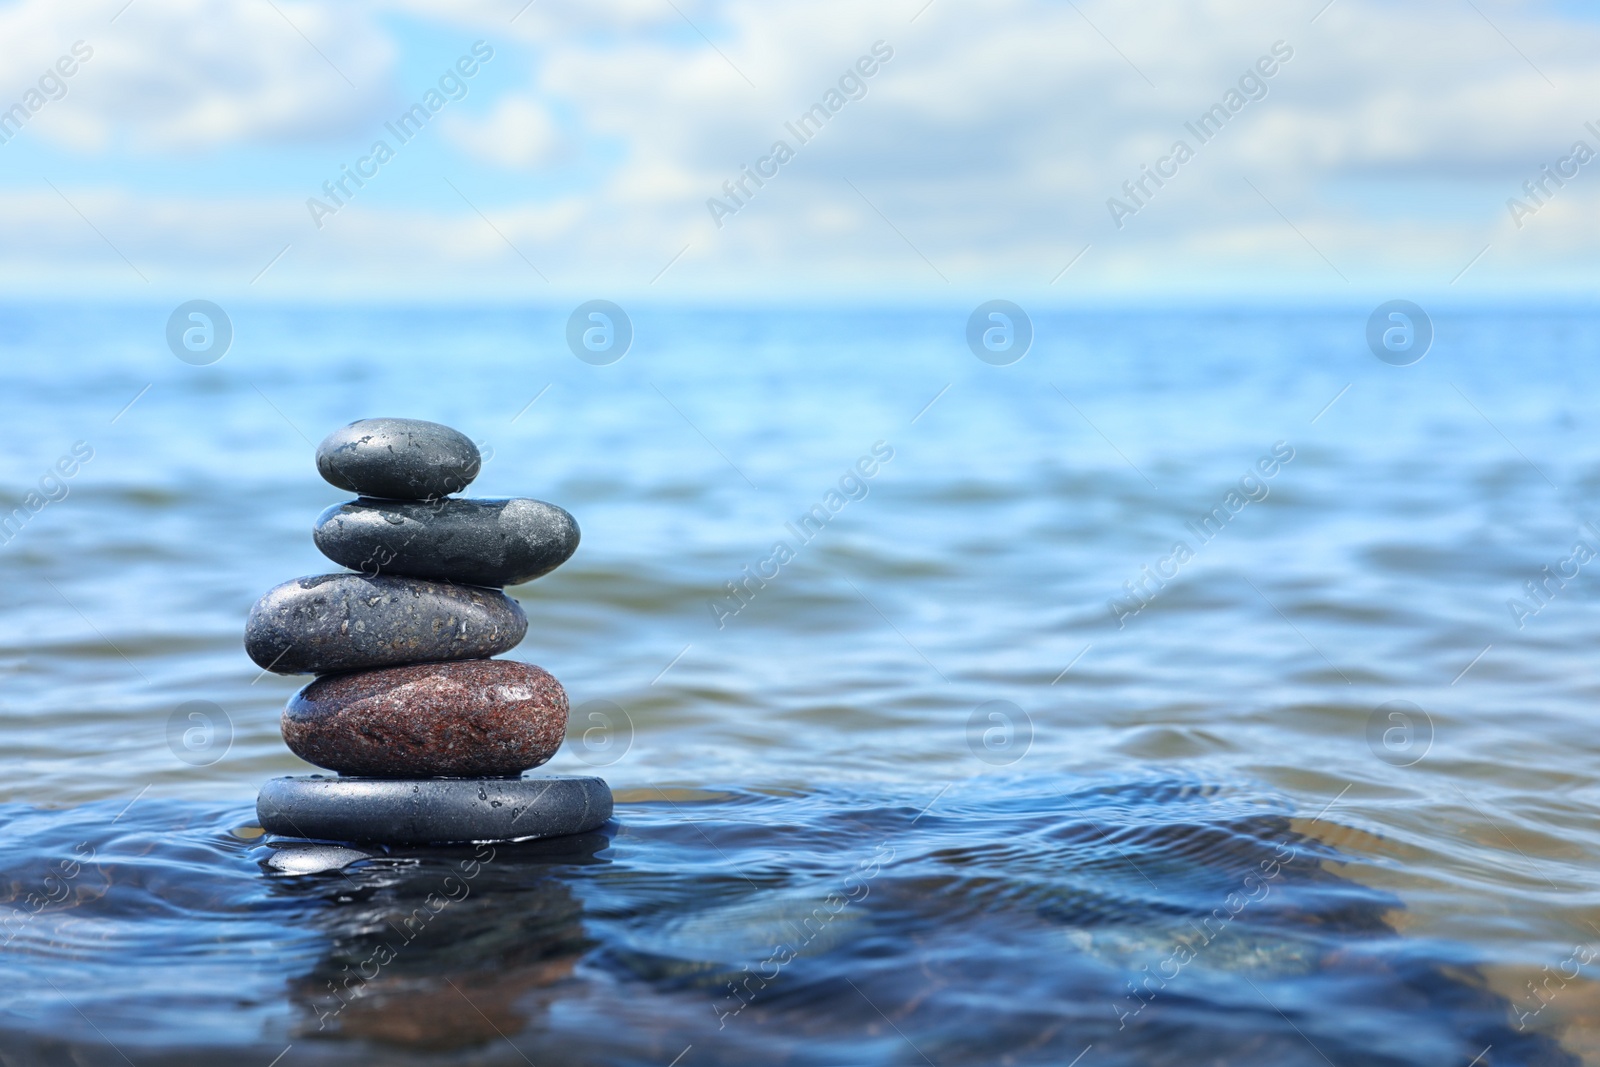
[176,75]
[995,137]
[987,146]
[518,133]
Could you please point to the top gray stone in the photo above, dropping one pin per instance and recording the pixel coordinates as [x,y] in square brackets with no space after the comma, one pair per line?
[398,459]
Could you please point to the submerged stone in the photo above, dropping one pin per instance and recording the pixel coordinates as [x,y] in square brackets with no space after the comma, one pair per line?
[314,859]
[467,719]
[349,622]
[433,810]
[404,459]
[475,542]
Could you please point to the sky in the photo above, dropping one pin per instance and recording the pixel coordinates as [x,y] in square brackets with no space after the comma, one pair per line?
[960,149]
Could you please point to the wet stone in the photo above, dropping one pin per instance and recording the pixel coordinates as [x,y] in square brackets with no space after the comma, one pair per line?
[475,542]
[314,859]
[403,459]
[348,622]
[467,719]
[432,811]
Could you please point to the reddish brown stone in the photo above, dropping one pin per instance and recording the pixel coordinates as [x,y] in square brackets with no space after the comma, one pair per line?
[475,718]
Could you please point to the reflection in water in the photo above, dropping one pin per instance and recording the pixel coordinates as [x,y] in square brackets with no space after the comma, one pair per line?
[1159,921]
[441,948]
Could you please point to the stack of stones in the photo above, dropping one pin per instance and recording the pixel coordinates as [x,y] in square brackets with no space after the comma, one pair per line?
[429,736]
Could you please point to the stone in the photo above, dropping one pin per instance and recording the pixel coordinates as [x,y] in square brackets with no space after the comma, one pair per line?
[349,622]
[432,811]
[475,542]
[314,859]
[402,459]
[471,718]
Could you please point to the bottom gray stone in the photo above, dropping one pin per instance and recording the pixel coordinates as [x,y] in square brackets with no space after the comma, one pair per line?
[432,810]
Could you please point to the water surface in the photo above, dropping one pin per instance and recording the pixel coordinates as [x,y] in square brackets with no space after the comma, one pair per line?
[934,791]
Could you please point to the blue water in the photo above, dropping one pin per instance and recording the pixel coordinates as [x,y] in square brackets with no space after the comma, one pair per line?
[1058,790]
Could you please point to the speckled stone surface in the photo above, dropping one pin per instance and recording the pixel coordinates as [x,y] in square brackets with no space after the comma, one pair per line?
[467,719]
[406,459]
[432,811]
[347,622]
[475,542]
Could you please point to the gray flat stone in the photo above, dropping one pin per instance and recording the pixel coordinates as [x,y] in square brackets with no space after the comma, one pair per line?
[432,811]
[475,542]
[404,459]
[348,622]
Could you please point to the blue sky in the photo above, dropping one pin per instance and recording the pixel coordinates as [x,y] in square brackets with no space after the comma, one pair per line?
[979,159]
